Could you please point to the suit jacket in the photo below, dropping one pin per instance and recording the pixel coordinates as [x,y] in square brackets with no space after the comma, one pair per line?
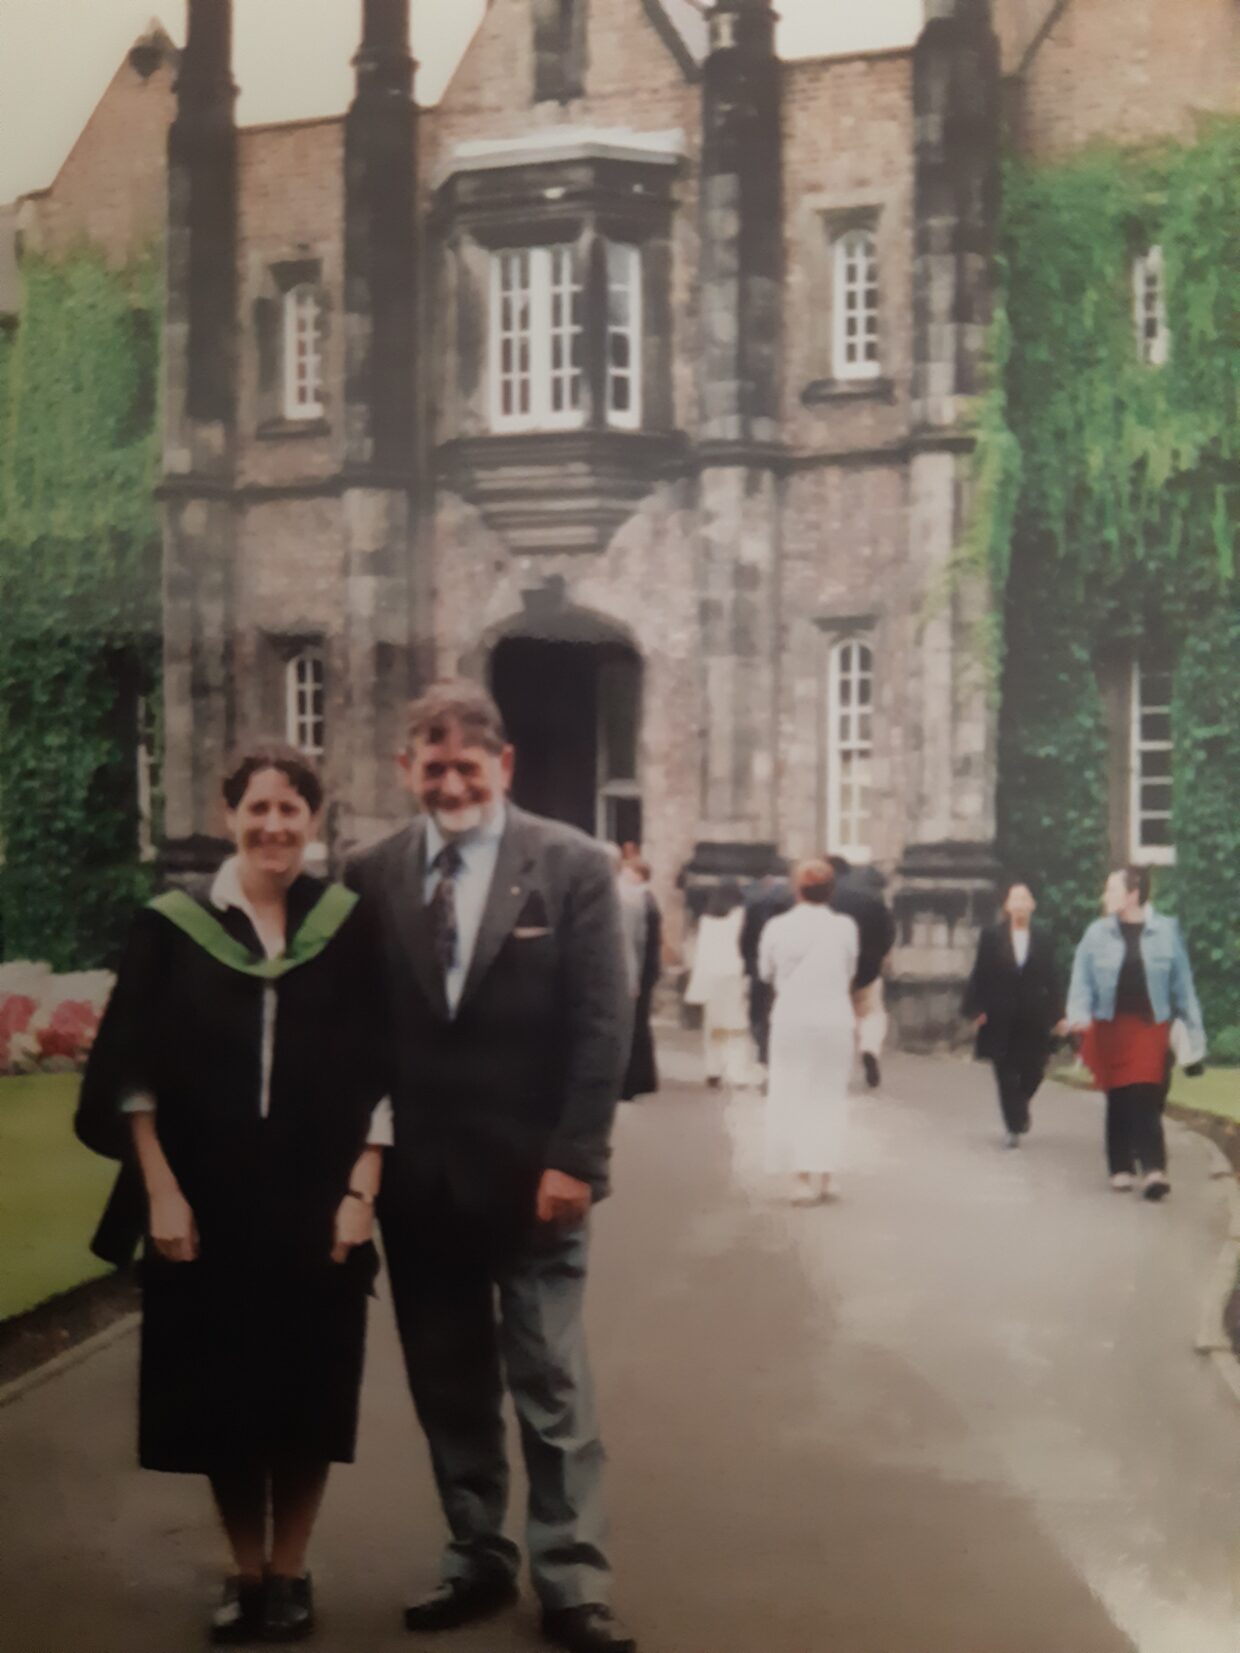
[1021,1006]
[526,1076]
[875,927]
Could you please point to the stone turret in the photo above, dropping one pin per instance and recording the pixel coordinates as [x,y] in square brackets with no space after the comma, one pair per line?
[738,436]
[371,659]
[948,874]
[200,413]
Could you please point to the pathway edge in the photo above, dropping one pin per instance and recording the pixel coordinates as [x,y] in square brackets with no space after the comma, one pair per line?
[35,1379]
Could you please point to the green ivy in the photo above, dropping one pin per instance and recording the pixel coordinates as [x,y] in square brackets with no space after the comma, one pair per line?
[1113,520]
[79,602]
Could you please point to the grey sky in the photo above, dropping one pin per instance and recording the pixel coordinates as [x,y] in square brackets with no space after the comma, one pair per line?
[56,56]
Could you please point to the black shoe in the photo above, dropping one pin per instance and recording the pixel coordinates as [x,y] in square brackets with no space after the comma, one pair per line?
[239,1616]
[591,1629]
[873,1073]
[1155,1187]
[714,1082]
[460,1601]
[288,1609]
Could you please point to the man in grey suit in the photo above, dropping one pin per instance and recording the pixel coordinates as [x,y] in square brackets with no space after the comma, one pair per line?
[504,960]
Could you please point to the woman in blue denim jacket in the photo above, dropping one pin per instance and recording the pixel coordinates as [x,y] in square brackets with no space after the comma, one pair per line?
[1130,980]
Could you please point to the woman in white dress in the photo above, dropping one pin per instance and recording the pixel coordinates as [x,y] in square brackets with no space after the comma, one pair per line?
[717,985]
[809,956]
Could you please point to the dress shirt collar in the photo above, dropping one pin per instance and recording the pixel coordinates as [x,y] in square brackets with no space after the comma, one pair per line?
[490,832]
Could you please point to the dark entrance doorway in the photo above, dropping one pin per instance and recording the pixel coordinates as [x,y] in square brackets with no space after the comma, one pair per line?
[573,711]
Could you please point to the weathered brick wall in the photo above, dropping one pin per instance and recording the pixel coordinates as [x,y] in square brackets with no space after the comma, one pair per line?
[848,129]
[291,192]
[1127,71]
[112,188]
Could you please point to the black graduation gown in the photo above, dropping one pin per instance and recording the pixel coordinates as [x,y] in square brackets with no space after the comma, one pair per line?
[254,1351]
[642,1077]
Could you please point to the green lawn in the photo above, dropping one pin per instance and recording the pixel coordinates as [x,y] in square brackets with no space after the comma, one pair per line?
[52,1191]
[1216,1092]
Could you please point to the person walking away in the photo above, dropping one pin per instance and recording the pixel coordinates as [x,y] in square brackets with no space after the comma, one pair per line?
[764,901]
[1131,978]
[857,893]
[240,1075]
[1014,998]
[717,985]
[510,1005]
[642,1078]
[809,956]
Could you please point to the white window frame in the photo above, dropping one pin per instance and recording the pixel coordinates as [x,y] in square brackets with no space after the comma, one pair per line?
[545,268]
[305,688]
[624,276]
[303,321]
[849,831]
[860,242]
[1161,855]
[1149,305]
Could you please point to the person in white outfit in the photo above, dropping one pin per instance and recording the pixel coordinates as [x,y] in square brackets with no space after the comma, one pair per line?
[809,956]
[717,985]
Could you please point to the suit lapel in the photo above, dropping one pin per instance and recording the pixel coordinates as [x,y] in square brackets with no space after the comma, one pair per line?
[414,920]
[509,887]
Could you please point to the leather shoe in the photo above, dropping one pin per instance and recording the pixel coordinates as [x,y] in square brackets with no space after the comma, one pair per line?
[589,1629]
[239,1616]
[460,1601]
[288,1609]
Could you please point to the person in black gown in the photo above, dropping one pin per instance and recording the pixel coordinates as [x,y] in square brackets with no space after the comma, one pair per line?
[1014,998]
[239,1076]
[642,1077]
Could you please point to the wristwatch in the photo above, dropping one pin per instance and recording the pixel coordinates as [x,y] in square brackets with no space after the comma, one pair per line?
[356,1194]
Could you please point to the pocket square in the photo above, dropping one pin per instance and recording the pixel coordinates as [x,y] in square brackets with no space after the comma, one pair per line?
[533,914]
[530,932]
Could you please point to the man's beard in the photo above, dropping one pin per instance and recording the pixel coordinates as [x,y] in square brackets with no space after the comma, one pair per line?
[453,823]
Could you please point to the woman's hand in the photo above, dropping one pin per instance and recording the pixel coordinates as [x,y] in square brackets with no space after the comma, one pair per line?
[979,1022]
[355,1225]
[174,1233]
[1060,1029]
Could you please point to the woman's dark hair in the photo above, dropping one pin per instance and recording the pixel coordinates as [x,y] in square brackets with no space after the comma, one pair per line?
[1015,881]
[723,899]
[1137,881]
[298,770]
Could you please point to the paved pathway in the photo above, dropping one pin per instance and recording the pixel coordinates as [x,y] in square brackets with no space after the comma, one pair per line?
[957,1411]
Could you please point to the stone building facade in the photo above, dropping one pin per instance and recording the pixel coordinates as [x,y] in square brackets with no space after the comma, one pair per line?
[634,377]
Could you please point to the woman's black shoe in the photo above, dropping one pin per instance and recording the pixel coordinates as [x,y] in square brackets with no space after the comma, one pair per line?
[239,1616]
[288,1609]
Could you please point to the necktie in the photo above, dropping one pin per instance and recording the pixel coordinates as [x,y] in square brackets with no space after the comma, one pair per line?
[443,907]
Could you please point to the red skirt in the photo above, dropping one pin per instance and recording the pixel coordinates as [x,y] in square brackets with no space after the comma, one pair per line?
[1127,1051]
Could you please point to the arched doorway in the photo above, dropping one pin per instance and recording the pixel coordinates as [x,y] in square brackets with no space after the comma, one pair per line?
[572,704]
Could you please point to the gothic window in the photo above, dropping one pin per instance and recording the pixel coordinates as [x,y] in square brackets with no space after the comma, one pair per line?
[624,334]
[541,325]
[306,692]
[1149,297]
[303,352]
[559,49]
[855,309]
[1151,757]
[850,749]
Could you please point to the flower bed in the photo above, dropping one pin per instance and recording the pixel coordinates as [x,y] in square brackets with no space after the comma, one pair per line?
[48,1022]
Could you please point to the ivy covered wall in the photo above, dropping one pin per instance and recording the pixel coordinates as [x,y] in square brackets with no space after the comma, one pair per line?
[79,603]
[1126,478]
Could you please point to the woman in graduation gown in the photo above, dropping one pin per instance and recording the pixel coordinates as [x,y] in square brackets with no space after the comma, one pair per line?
[239,1076]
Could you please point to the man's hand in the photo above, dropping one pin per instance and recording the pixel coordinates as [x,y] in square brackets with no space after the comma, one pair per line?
[173,1229]
[562,1199]
[355,1225]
